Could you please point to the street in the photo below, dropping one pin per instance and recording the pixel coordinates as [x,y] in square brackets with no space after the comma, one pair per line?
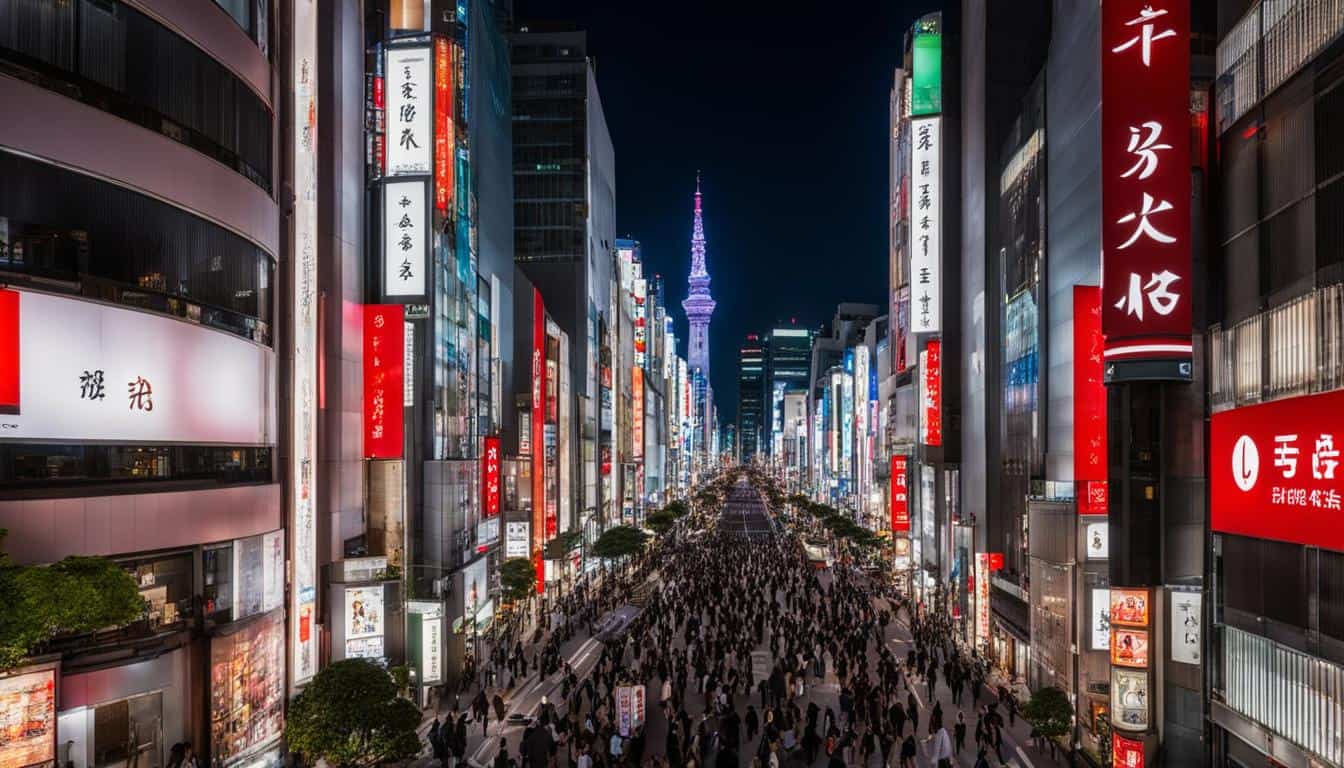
[694,629]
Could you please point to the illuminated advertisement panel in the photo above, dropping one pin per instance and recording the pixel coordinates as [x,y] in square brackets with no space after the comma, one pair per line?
[125,375]
[384,356]
[406,239]
[900,495]
[1145,193]
[538,435]
[1129,647]
[926,222]
[490,464]
[1126,753]
[1089,402]
[247,691]
[982,596]
[1100,617]
[1129,699]
[28,719]
[931,373]
[444,139]
[637,411]
[1129,607]
[303,377]
[1274,470]
[409,105]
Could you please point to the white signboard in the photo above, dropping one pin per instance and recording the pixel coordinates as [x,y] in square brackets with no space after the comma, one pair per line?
[516,540]
[408,365]
[1098,537]
[272,570]
[926,223]
[410,110]
[303,380]
[625,710]
[1100,618]
[405,238]
[90,372]
[431,653]
[1186,626]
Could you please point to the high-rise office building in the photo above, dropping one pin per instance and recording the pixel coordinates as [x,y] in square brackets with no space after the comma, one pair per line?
[788,354]
[751,402]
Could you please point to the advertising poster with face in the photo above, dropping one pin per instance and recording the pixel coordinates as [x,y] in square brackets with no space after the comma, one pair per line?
[364,612]
[1129,607]
[1129,647]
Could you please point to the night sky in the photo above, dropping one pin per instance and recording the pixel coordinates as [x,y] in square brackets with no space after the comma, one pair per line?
[785,115]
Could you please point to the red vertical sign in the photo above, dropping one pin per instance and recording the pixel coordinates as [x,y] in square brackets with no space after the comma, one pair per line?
[490,476]
[933,393]
[384,361]
[538,434]
[1126,753]
[444,141]
[9,352]
[1089,402]
[1145,168]
[637,412]
[900,496]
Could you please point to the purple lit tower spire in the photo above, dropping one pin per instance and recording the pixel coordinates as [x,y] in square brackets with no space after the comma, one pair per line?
[699,305]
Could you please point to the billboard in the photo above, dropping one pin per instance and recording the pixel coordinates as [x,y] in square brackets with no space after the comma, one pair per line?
[1129,607]
[409,137]
[1274,470]
[1129,647]
[637,412]
[1100,619]
[1129,699]
[517,540]
[900,495]
[247,690]
[444,138]
[1187,621]
[1126,753]
[1145,193]
[926,222]
[931,394]
[490,464]
[122,375]
[1097,540]
[926,93]
[384,360]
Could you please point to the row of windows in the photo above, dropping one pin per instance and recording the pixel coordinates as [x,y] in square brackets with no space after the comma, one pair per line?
[122,246]
[25,469]
[110,56]
[1280,581]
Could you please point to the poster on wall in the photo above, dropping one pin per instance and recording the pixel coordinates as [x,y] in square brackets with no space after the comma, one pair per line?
[1129,647]
[516,539]
[1186,626]
[1129,607]
[1101,619]
[1129,699]
[409,102]
[1097,539]
[247,694]
[405,239]
[127,376]
[28,719]
[363,612]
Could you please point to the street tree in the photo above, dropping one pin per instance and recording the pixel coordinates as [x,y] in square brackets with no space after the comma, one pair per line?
[517,579]
[1049,712]
[351,716]
[619,541]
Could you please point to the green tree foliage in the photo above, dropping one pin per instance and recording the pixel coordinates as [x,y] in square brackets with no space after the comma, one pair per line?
[350,715]
[620,541]
[1050,712]
[660,522]
[677,508]
[76,596]
[559,547]
[517,578]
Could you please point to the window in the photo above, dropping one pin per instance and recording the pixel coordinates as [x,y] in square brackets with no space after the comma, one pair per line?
[125,247]
[116,59]
[73,468]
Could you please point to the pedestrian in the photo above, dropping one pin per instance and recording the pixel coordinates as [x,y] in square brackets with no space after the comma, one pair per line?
[753,723]
[959,732]
[502,757]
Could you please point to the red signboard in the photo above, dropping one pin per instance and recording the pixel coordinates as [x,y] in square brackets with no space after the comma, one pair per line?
[443,126]
[1126,753]
[933,393]
[1274,470]
[995,561]
[490,476]
[9,352]
[384,363]
[538,433]
[900,495]
[637,411]
[1145,168]
[1089,400]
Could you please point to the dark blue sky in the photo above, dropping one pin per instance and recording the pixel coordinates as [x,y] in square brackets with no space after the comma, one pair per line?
[783,108]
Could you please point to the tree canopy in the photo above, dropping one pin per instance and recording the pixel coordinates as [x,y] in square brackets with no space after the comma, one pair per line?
[517,578]
[1050,712]
[620,541]
[559,547]
[351,716]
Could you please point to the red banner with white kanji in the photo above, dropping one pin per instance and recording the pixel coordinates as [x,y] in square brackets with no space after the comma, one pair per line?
[384,361]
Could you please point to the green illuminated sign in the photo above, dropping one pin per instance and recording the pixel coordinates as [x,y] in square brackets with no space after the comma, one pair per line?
[927,90]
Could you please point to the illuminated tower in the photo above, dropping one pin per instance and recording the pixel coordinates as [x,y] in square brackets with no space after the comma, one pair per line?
[699,305]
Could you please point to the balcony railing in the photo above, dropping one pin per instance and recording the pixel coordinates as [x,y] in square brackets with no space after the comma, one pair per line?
[1294,349]
[1267,46]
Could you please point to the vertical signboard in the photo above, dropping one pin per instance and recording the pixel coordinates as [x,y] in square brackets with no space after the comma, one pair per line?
[1126,753]
[982,596]
[1186,622]
[926,249]
[490,476]
[9,352]
[641,296]
[900,495]
[384,356]
[408,111]
[1145,195]
[405,239]
[637,412]
[444,139]
[931,373]
[538,434]
[303,376]
[1089,402]
[926,93]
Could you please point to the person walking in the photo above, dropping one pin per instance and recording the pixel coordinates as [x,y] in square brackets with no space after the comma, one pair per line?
[959,733]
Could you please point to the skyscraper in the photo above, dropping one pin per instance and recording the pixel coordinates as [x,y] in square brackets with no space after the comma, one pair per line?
[751,398]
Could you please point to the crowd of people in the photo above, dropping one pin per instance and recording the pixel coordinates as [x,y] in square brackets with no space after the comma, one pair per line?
[734,633]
